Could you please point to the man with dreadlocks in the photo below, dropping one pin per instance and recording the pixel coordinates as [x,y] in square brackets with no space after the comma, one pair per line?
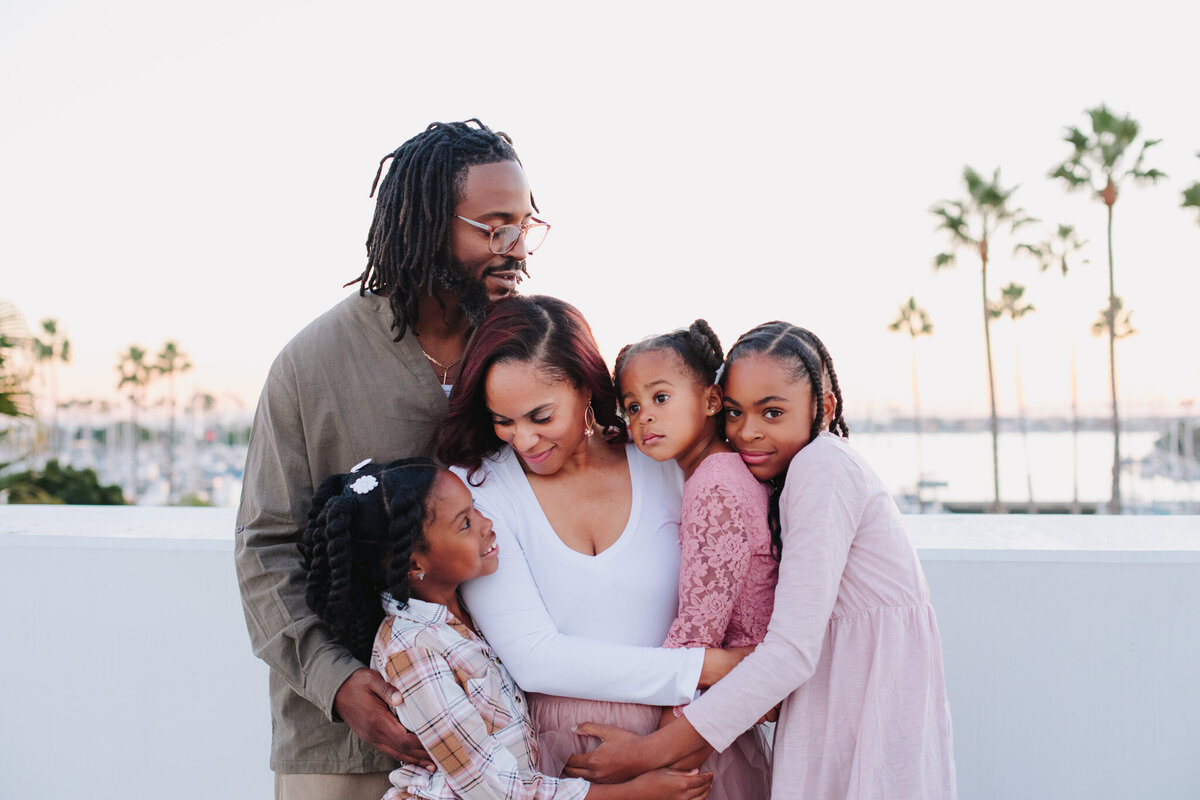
[454,221]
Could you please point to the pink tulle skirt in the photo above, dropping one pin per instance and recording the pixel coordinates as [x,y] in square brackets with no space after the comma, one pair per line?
[742,772]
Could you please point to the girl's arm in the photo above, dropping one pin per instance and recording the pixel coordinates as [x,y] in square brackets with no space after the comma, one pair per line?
[716,555]
[716,550]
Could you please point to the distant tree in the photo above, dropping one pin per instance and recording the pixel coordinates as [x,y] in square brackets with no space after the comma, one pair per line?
[50,348]
[1191,197]
[914,320]
[136,373]
[1057,250]
[57,485]
[1012,305]
[15,398]
[971,223]
[1114,312]
[1098,162]
[169,362]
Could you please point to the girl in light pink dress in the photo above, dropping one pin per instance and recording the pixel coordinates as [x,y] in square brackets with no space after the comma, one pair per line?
[667,388]
[852,647]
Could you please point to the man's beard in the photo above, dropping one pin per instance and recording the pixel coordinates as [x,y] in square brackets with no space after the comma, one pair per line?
[473,300]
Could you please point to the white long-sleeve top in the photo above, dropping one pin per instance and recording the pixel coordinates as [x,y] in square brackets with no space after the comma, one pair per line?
[575,625]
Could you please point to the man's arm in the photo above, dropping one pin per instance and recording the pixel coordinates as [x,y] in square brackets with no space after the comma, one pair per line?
[284,632]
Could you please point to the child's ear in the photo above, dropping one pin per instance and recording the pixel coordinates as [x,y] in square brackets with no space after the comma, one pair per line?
[712,400]
[828,407]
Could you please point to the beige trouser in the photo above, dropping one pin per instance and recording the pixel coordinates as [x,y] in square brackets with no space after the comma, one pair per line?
[366,786]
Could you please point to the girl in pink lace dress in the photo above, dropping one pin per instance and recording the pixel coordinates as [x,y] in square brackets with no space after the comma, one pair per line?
[667,387]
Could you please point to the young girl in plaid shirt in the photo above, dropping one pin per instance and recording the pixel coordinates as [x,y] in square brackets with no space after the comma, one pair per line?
[387,548]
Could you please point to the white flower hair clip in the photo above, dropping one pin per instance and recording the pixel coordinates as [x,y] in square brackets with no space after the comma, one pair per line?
[360,465]
[364,484]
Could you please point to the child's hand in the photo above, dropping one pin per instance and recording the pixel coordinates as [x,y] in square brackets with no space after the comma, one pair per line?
[670,783]
[364,702]
[619,757]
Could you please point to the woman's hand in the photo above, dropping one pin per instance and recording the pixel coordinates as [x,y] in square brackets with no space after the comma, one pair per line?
[718,663]
[622,755]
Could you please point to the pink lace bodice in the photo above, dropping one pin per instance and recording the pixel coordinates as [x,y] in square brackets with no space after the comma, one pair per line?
[727,575]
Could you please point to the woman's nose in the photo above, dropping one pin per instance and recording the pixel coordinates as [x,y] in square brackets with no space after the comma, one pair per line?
[523,440]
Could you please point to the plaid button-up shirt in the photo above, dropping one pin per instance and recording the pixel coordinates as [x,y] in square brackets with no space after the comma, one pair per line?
[465,708]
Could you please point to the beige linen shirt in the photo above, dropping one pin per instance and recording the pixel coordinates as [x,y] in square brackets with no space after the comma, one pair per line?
[339,392]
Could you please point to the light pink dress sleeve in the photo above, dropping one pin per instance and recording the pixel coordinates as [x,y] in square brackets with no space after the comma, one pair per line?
[727,575]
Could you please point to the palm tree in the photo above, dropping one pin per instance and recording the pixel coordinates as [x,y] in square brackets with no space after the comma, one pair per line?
[16,401]
[971,223]
[1191,196]
[914,321]
[48,350]
[169,362]
[1054,251]
[1098,162]
[1013,305]
[136,373]
[1115,311]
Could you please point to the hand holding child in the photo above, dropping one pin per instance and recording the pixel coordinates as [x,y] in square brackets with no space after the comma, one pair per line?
[364,702]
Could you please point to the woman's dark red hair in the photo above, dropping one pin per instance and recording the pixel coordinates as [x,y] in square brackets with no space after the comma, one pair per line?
[533,329]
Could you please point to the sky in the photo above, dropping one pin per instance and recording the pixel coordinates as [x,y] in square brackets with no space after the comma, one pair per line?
[200,173]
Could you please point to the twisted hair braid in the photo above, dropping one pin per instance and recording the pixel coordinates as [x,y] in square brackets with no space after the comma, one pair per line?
[358,544]
[809,360]
[409,237]
[838,423]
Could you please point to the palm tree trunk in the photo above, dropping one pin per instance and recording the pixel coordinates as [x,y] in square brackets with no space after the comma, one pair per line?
[918,426]
[1114,505]
[1074,431]
[987,343]
[1023,420]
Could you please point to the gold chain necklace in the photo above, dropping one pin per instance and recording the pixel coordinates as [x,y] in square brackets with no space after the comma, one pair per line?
[445,368]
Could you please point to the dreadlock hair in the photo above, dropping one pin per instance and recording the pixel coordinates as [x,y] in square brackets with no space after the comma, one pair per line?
[696,345]
[410,232]
[810,361]
[533,329]
[362,529]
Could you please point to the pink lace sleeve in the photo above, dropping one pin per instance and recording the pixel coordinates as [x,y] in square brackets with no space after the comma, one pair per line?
[716,552]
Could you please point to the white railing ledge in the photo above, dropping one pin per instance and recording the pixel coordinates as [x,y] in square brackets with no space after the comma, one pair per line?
[936,536]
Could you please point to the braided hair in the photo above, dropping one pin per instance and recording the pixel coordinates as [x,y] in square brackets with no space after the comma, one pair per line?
[409,239]
[810,361]
[362,529]
[696,345]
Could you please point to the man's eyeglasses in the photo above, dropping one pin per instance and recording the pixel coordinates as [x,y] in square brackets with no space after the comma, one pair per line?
[504,238]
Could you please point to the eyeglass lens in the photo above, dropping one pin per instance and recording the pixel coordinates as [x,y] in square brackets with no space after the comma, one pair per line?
[505,237]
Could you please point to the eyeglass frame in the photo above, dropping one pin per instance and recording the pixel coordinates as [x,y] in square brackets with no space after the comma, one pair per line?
[524,226]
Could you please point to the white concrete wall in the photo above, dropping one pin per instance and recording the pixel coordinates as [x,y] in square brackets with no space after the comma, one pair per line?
[1072,650]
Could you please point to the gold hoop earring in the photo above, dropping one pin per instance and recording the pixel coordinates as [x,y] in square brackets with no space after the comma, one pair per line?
[589,420]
